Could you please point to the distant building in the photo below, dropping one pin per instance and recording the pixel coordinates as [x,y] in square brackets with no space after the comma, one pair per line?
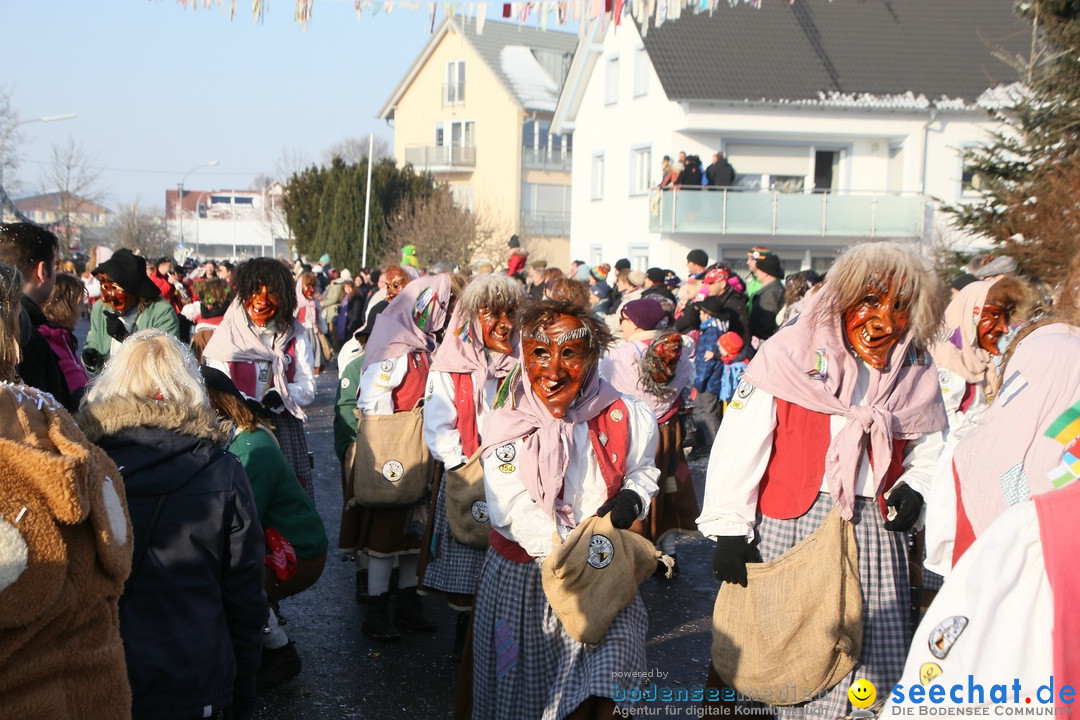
[843,121]
[65,214]
[229,224]
[474,109]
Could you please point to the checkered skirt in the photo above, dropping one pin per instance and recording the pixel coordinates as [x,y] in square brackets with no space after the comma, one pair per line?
[292,438]
[526,667]
[886,615]
[454,567]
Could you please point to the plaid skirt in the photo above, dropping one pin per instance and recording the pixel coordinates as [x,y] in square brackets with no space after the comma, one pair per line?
[525,666]
[290,435]
[453,567]
[886,613]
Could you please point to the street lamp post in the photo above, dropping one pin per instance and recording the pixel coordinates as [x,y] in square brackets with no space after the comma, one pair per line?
[8,132]
[180,200]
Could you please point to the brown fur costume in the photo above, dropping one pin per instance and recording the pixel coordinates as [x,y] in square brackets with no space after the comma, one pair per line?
[65,551]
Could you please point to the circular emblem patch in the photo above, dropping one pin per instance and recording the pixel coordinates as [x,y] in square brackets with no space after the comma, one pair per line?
[392,470]
[345,382]
[507,468]
[386,365]
[945,634]
[505,453]
[601,552]
[744,389]
[479,511]
[617,415]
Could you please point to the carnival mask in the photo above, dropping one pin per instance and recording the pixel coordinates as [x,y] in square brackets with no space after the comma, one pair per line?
[874,324]
[308,291]
[667,350]
[396,280]
[557,361]
[261,306]
[116,297]
[993,324]
[497,327]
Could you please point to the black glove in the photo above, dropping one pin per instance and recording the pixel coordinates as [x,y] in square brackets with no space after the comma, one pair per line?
[624,509]
[908,504]
[115,327]
[272,401]
[730,558]
[92,360]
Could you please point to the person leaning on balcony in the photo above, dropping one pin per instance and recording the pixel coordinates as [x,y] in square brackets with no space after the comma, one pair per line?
[669,173]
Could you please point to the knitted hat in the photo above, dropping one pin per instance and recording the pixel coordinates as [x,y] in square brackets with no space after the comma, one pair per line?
[656,275]
[758,252]
[715,275]
[128,270]
[671,279]
[712,305]
[324,259]
[646,313]
[636,278]
[770,265]
[698,257]
[962,281]
[600,272]
[731,343]
[1002,265]
[514,241]
[346,275]
[622,264]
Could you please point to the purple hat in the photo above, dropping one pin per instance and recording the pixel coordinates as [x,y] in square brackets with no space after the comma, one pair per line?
[646,313]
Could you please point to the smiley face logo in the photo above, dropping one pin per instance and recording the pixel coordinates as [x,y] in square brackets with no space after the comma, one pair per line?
[862,693]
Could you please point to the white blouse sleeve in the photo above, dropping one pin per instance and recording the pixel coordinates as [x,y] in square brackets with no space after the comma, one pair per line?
[440,420]
[737,463]
[378,382]
[512,510]
[302,388]
[642,474]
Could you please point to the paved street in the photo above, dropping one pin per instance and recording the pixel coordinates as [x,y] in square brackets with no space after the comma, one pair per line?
[347,676]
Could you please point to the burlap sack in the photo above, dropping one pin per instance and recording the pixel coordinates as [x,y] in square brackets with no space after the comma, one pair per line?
[466,503]
[392,465]
[795,630]
[594,574]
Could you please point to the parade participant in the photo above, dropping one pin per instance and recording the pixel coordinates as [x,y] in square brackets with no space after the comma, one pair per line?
[207,312]
[467,372]
[287,515]
[840,408]
[542,476]
[393,376]
[265,352]
[64,554]
[652,367]
[193,609]
[392,281]
[1007,457]
[61,313]
[309,314]
[129,302]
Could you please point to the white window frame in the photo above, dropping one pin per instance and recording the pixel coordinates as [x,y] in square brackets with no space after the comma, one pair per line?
[611,80]
[597,184]
[641,73]
[640,169]
[973,190]
[638,255]
[454,86]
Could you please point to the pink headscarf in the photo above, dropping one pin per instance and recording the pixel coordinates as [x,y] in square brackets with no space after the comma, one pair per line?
[1042,380]
[807,362]
[305,306]
[462,351]
[410,321]
[545,451]
[237,340]
[622,368]
[959,350]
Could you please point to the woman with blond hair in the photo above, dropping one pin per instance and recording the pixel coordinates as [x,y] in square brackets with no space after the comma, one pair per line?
[65,549]
[193,609]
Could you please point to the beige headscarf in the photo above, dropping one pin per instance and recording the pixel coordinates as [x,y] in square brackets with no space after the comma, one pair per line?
[958,349]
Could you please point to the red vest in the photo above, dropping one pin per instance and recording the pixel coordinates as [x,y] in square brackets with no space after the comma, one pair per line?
[965,534]
[1060,535]
[792,479]
[610,455]
[405,396]
[242,372]
[466,413]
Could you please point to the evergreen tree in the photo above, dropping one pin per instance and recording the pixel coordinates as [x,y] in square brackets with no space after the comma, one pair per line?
[1028,175]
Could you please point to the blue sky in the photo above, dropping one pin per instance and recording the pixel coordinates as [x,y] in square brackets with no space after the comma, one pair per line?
[160,88]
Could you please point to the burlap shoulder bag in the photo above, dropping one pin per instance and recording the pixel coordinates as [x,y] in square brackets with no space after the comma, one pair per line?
[392,465]
[795,630]
[594,574]
[466,503]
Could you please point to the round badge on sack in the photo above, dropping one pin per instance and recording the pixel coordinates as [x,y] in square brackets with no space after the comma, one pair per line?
[392,470]
[601,552]
[505,453]
[480,512]
[345,382]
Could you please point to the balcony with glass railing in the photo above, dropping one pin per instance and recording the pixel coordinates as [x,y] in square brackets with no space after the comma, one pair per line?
[557,160]
[442,158]
[735,211]
[546,224]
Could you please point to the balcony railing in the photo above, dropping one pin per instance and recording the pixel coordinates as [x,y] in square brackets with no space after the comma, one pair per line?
[546,159]
[443,158]
[730,211]
[546,224]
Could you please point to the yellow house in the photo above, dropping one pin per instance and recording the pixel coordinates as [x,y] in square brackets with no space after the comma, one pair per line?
[474,109]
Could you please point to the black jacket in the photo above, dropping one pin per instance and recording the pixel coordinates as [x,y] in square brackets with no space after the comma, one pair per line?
[738,317]
[767,303]
[39,366]
[192,612]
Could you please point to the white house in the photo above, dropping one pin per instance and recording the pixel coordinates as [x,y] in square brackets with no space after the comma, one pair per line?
[233,224]
[843,120]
